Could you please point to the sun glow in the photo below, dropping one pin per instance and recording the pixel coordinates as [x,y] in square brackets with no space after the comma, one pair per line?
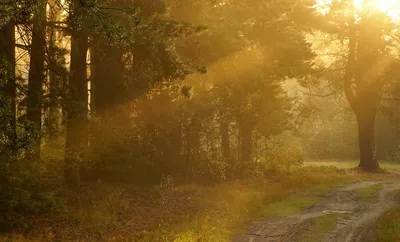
[381,5]
[390,7]
[358,4]
[386,5]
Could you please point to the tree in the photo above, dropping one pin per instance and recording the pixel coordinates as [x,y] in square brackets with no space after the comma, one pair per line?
[77,103]
[255,32]
[37,75]
[8,81]
[57,54]
[7,46]
[123,65]
[368,34]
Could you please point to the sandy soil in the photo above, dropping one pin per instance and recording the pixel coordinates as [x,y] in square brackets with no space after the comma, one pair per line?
[357,225]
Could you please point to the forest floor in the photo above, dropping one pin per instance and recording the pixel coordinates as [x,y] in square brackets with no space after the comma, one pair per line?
[319,202]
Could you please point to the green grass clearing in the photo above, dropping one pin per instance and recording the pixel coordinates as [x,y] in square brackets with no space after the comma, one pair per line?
[370,191]
[319,227]
[288,205]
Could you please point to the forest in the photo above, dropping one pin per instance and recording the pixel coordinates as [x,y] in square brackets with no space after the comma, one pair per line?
[185,120]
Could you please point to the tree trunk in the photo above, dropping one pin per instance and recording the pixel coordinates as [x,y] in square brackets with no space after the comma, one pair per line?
[77,107]
[192,142]
[366,138]
[7,54]
[175,145]
[37,76]
[225,141]
[98,78]
[363,97]
[246,141]
[188,152]
[55,63]
[107,76]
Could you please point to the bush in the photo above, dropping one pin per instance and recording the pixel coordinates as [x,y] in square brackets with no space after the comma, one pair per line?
[210,171]
[284,159]
[24,181]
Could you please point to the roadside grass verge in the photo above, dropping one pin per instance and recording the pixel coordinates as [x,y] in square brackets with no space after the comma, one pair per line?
[121,212]
[388,225]
[348,164]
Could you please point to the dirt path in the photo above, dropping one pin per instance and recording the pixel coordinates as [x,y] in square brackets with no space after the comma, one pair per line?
[356,222]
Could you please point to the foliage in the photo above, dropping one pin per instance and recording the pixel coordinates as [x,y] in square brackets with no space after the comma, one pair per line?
[285,159]
[23,192]
[23,187]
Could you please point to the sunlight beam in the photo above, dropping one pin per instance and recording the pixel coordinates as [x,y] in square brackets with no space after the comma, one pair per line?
[390,7]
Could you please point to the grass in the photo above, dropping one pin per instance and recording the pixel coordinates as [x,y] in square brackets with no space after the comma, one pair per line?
[365,194]
[347,164]
[368,192]
[320,226]
[388,228]
[288,205]
[329,163]
[388,225]
[234,208]
[121,212]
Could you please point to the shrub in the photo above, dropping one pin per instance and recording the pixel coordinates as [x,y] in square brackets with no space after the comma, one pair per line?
[284,159]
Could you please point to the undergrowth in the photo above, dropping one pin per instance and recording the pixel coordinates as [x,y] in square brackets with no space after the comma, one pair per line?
[168,212]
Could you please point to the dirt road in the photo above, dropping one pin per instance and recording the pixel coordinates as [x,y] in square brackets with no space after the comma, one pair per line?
[356,221]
